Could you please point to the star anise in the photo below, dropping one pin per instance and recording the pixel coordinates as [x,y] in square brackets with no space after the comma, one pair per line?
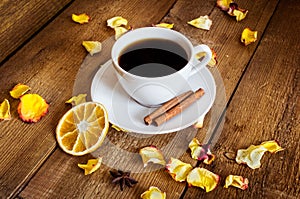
[123,178]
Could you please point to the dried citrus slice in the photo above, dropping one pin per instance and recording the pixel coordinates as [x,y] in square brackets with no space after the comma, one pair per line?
[83,128]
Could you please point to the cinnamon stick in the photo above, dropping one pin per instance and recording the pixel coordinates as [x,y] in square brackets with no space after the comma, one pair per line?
[179,107]
[166,106]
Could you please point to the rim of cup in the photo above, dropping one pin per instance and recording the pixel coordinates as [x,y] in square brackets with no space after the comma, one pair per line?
[115,55]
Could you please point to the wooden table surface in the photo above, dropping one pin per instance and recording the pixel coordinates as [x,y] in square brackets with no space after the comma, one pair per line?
[257,98]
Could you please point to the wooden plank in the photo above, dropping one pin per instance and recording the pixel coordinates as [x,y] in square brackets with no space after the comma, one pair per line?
[49,65]
[21,19]
[265,107]
[224,38]
[145,183]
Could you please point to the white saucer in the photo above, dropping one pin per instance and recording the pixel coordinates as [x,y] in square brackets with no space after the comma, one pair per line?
[124,112]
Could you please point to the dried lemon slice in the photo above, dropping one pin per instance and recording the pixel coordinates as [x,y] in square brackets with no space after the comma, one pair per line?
[83,128]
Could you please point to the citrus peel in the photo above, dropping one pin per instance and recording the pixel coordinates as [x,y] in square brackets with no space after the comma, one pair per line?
[83,128]
[32,108]
[152,154]
[5,110]
[19,90]
[91,166]
[153,193]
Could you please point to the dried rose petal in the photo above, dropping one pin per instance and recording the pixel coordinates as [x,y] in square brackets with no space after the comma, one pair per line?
[253,154]
[5,110]
[92,46]
[152,154]
[213,61]
[19,90]
[199,123]
[178,169]
[203,178]
[119,31]
[239,13]
[117,128]
[203,22]
[165,25]
[272,146]
[236,181]
[248,36]
[116,22]
[224,4]
[81,18]
[75,100]
[32,107]
[201,152]
[153,193]
[91,166]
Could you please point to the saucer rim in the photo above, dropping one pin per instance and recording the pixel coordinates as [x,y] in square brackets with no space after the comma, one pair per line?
[101,71]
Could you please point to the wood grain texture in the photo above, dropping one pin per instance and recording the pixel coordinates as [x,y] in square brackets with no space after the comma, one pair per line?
[49,64]
[21,19]
[31,162]
[224,38]
[265,107]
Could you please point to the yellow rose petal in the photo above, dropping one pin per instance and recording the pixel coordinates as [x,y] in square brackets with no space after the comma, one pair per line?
[152,154]
[117,128]
[240,14]
[32,107]
[165,25]
[75,100]
[19,90]
[199,123]
[116,22]
[92,46]
[119,31]
[272,146]
[236,181]
[91,166]
[5,110]
[81,18]
[203,178]
[178,169]
[213,61]
[248,36]
[253,154]
[224,4]
[201,152]
[203,22]
[153,193]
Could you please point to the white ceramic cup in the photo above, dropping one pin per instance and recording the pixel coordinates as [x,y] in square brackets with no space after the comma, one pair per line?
[152,91]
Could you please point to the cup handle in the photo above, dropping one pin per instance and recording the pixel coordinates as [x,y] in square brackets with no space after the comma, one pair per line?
[198,65]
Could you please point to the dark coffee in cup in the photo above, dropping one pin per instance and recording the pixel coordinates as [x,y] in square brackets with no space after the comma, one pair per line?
[153,58]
